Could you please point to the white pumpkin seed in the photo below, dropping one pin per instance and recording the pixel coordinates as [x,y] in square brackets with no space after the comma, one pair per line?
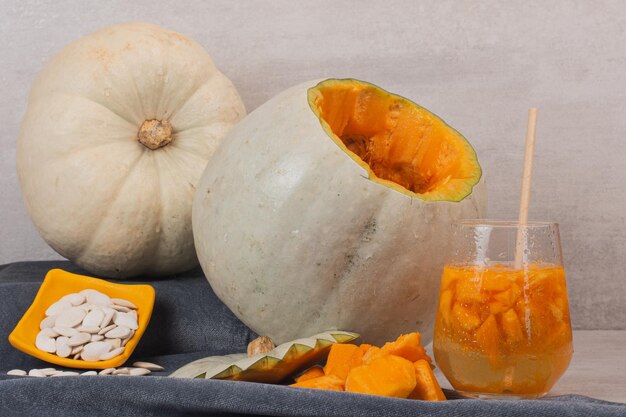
[66,373]
[107,371]
[120,332]
[97,298]
[115,343]
[75,299]
[121,371]
[70,317]
[47,322]
[59,307]
[127,320]
[111,354]
[37,373]
[17,372]
[88,318]
[148,365]
[130,336]
[109,313]
[89,373]
[65,331]
[62,347]
[86,307]
[122,302]
[50,332]
[139,371]
[93,350]
[47,371]
[107,329]
[93,318]
[79,339]
[45,343]
[88,329]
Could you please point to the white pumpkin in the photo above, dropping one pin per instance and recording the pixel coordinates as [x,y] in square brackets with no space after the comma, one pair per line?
[297,234]
[120,125]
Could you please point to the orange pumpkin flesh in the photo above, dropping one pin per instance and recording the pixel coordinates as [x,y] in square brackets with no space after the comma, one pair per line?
[399,369]
[391,376]
[401,144]
[407,346]
[341,359]
[328,382]
[312,372]
[426,388]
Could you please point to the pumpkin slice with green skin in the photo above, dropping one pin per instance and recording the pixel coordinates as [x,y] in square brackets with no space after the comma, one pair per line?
[270,367]
[339,194]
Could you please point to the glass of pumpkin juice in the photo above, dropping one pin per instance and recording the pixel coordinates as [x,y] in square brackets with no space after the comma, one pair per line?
[503,326]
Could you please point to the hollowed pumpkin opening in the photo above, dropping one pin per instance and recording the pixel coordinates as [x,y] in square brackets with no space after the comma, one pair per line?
[401,144]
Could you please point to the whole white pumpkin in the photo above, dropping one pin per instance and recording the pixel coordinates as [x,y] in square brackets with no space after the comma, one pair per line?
[119,126]
[297,234]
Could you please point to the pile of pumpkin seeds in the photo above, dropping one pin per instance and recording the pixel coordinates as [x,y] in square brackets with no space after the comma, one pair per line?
[138,369]
[87,325]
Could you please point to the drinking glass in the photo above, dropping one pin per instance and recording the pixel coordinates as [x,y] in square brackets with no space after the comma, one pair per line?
[503,326]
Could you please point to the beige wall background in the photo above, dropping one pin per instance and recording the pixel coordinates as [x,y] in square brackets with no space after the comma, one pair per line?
[479,65]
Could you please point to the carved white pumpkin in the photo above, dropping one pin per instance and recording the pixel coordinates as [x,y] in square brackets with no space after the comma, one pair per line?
[330,207]
[119,126]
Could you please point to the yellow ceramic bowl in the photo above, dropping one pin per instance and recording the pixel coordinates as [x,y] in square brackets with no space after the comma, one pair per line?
[59,283]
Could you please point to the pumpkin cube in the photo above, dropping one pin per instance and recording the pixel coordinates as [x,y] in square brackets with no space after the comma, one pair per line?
[488,338]
[465,317]
[390,375]
[341,359]
[468,291]
[327,382]
[408,347]
[426,385]
[512,327]
[495,283]
[445,305]
[312,372]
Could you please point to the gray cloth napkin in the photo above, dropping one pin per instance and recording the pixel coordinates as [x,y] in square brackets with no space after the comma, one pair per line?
[188,323]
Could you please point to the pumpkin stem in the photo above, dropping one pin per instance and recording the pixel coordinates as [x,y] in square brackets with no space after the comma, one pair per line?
[261,344]
[154,134]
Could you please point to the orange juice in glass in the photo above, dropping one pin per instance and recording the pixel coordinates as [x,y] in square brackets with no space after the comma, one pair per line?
[503,330]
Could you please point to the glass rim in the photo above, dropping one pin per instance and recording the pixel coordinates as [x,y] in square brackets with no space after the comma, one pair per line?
[503,223]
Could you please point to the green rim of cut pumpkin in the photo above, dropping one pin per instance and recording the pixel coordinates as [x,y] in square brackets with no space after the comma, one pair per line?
[400,144]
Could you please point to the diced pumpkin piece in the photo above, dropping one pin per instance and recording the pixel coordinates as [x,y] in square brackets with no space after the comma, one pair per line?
[448,279]
[372,353]
[465,317]
[312,372]
[426,385]
[510,296]
[512,327]
[468,291]
[328,382]
[445,305]
[557,313]
[407,346]
[391,376]
[487,337]
[340,360]
[364,347]
[495,283]
[496,307]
